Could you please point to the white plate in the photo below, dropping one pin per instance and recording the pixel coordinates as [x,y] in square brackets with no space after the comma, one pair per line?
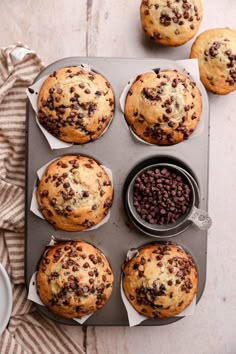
[5,298]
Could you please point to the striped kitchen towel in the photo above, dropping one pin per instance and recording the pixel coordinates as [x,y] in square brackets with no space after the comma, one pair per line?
[28,330]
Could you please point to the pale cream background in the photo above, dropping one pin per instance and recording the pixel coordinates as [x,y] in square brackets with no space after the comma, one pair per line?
[60,28]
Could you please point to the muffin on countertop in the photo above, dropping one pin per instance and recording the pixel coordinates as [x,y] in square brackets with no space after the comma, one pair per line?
[171,22]
[163,108]
[75,193]
[75,105]
[215,50]
[160,281]
[74,279]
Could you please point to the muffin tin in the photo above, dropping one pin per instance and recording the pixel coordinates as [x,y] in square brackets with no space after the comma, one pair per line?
[118,150]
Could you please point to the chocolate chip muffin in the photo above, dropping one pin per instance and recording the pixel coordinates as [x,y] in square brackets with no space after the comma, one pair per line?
[163,108]
[160,281]
[75,105]
[171,22]
[75,193]
[215,50]
[74,279]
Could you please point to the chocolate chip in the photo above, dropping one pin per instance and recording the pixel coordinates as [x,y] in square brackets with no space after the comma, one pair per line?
[59,91]
[88,165]
[174,83]
[213,50]
[151,94]
[44,193]
[165,19]
[141,118]
[100,288]
[85,194]
[50,214]
[171,123]
[86,265]
[107,203]
[142,261]
[79,292]
[99,259]
[93,258]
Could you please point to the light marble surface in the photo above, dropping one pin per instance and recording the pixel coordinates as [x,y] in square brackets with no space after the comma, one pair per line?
[60,28]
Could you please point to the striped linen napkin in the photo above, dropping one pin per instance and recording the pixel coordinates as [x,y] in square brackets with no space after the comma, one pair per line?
[28,330]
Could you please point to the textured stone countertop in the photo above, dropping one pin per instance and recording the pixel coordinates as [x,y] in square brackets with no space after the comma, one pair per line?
[60,28]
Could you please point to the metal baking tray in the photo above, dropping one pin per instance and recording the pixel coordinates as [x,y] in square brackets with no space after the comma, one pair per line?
[118,150]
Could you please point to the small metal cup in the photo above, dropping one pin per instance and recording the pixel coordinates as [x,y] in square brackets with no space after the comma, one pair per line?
[192,214]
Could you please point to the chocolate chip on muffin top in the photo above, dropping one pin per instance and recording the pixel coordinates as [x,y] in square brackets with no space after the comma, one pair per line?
[163,108]
[75,105]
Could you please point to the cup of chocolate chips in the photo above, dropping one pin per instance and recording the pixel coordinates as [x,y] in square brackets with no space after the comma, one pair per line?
[162,200]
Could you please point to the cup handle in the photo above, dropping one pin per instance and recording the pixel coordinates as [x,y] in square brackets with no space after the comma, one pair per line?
[200,218]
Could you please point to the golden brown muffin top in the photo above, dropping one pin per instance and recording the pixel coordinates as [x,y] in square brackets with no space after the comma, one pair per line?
[75,105]
[75,193]
[215,50]
[171,22]
[163,108]
[160,281]
[74,279]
